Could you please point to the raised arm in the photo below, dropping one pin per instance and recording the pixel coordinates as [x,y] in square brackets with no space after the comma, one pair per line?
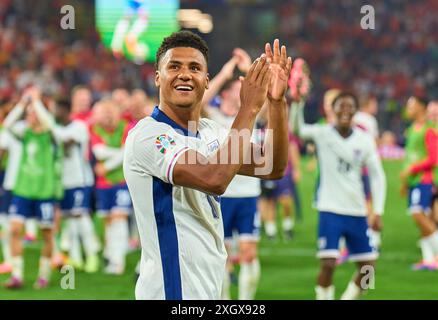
[11,121]
[213,174]
[270,160]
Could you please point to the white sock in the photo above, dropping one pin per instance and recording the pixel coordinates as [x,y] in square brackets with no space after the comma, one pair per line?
[75,245]
[6,245]
[433,241]
[325,293]
[255,277]
[426,250]
[352,292]
[245,281]
[288,224]
[121,240]
[88,235]
[17,267]
[109,241]
[119,35]
[31,227]
[270,228]
[64,237]
[226,287]
[45,268]
[249,276]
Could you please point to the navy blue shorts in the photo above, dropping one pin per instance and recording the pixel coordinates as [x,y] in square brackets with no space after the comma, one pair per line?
[274,189]
[5,201]
[114,198]
[420,198]
[240,214]
[333,227]
[76,201]
[23,208]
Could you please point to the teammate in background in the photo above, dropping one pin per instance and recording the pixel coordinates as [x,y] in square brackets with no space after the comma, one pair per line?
[342,151]
[239,202]
[432,113]
[177,164]
[388,147]
[108,135]
[78,181]
[417,178]
[36,185]
[137,10]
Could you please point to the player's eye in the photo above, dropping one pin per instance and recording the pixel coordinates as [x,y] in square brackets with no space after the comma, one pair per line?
[173,67]
[195,68]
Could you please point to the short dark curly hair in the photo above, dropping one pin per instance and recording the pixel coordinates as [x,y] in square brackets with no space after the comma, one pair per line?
[346,94]
[182,39]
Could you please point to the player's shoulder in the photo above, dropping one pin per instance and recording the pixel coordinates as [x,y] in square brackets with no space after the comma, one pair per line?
[150,129]
[363,138]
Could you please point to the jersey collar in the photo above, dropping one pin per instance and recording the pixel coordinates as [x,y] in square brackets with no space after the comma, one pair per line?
[160,116]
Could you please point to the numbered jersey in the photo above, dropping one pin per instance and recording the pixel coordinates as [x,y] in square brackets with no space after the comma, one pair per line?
[181,229]
[340,187]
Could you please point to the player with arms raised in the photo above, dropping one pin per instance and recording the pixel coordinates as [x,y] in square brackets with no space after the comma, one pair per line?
[342,152]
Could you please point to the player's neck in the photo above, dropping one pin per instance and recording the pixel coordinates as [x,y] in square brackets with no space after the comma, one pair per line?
[182,116]
[345,132]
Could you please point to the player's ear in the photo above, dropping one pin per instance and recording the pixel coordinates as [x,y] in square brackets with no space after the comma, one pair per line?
[207,80]
[157,78]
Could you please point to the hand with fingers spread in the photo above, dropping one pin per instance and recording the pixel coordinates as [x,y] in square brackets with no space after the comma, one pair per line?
[280,66]
[255,85]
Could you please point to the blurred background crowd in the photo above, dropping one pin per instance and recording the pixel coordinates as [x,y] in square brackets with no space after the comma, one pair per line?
[397,59]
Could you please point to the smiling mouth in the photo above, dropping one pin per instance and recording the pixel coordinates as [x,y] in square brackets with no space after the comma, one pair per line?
[186,88]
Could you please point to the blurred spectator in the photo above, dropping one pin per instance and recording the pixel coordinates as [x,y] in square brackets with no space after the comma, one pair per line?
[388,148]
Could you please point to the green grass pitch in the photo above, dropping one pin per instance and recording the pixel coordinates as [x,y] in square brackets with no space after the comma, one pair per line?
[289,269]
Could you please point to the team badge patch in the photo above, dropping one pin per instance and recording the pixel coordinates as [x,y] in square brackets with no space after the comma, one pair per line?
[164,142]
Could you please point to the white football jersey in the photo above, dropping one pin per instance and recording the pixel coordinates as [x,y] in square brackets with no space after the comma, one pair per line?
[181,229]
[14,148]
[240,186]
[77,170]
[340,189]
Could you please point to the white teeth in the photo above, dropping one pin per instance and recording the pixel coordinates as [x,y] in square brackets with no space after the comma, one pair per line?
[184,88]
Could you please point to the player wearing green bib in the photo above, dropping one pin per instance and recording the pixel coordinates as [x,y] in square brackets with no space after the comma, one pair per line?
[108,136]
[417,178]
[36,187]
